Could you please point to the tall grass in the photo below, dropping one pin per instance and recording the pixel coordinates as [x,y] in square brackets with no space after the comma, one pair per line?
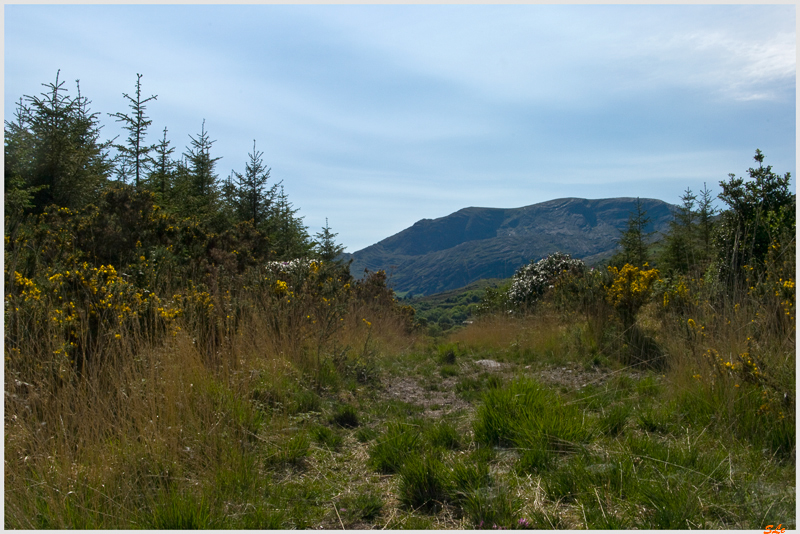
[162,399]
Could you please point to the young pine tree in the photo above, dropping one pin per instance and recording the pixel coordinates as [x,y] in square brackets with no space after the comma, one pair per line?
[759,211]
[162,173]
[634,239]
[53,152]
[680,252]
[201,185]
[287,233]
[134,155]
[326,247]
[253,197]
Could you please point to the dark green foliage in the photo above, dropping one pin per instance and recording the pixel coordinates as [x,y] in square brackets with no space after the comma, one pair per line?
[525,414]
[327,437]
[444,435]
[133,156]
[361,507]
[635,239]
[305,401]
[446,354]
[288,235]
[759,211]
[290,451]
[467,477]
[390,451]
[162,173]
[197,179]
[613,421]
[173,511]
[326,247]
[53,151]
[652,419]
[672,507]
[535,459]
[345,416]
[443,312]
[686,247]
[494,507]
[252,196]
[448,370]
[423,483]
[470,388]
[365,434]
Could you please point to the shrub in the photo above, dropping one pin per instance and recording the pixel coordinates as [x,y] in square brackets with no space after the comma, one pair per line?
[531,281]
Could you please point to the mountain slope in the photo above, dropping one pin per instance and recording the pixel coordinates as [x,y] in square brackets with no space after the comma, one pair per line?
[473,243]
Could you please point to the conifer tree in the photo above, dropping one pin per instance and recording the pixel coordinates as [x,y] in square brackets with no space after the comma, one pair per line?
[759,211]
[203,190]
[253,197]
[17,161]
[53,150]
[288,234]
[135,154]
[634,239]
[680,244]
[163,170]
[326,247]
[705,221]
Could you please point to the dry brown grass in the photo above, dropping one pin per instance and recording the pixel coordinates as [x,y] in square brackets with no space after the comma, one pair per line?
[102,445]
[535,333]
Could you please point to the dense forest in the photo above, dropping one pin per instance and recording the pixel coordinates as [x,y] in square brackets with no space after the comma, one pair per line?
[181,353]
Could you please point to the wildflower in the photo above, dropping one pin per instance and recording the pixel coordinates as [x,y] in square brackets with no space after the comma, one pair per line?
[280,287]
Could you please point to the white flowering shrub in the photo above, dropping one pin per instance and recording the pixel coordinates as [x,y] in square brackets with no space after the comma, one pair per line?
[531,281]
[292,266]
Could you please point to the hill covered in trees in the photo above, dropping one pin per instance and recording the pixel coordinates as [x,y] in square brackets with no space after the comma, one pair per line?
[442,254]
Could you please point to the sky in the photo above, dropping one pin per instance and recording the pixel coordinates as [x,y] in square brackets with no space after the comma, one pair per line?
[377,116]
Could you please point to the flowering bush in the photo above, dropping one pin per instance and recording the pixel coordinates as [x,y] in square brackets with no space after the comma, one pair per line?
[630,290]
[531,281]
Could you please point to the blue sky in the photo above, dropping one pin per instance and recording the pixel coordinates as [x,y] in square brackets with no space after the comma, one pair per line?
[378,116]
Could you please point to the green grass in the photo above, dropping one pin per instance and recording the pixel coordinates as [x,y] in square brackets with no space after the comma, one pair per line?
[423,483]
[327,437]
[443,435]
[365,506]
[394,446]
[525,414]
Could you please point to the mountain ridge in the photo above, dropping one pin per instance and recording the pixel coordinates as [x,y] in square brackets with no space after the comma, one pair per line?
[435,255]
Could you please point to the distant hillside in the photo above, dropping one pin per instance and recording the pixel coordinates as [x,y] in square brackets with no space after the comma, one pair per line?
[437,255]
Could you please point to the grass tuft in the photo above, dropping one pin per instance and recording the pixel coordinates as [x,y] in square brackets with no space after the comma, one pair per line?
[346,416]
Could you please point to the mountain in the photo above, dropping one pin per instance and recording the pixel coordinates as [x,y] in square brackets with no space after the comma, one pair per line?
[436,255]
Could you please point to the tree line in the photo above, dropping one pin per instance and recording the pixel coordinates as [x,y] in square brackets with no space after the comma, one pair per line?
[55,155]
[759,214]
